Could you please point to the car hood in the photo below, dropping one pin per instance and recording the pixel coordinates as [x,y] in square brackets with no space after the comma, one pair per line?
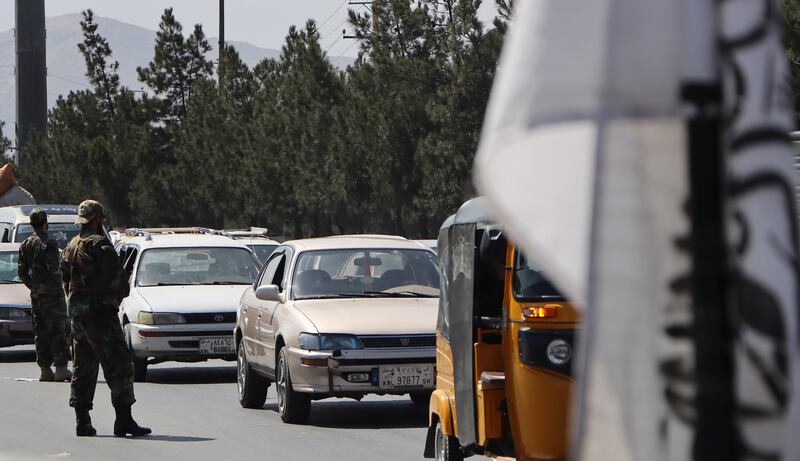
[193,298]
[15,294]
[371,316]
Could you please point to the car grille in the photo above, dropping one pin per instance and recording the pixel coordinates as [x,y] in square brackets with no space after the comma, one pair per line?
[211,317]
[398,341]
[198,333]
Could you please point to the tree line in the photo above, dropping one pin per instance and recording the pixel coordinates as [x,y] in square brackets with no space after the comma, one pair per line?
[293,144]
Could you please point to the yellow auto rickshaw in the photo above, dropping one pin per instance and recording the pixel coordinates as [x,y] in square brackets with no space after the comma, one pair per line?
[504,341]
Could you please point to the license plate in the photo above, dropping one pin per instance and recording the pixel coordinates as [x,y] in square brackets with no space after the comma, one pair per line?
[406,376]
[216,346]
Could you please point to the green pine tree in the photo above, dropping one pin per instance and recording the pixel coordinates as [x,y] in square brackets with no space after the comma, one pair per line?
[791,38]
[5,143]
[177,63]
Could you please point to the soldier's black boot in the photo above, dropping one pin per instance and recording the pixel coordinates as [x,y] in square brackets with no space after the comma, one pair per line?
[84,423]
[125,424]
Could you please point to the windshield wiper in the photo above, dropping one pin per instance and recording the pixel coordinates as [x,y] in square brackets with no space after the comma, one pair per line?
[5,282]
[224,282]
[165,284]
[400,294]
[331,296]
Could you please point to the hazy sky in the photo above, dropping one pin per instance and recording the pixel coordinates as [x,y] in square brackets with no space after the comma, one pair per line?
[260,22]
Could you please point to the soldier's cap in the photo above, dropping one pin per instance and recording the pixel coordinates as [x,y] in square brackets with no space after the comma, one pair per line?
[88,210]
[38,217]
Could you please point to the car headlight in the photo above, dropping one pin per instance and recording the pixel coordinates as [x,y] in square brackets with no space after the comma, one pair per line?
[160,318]
[328,342]
[13,313]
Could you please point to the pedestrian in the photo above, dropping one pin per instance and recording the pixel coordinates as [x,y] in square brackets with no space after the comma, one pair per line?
[39,270]
[96,284]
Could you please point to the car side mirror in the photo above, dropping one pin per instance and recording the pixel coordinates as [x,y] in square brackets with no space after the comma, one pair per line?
[269,293]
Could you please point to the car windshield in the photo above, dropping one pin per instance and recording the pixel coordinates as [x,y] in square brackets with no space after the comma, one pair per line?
[262,251]
[8,267]
[365,272]
[197,266]
[529,283]
[61,232]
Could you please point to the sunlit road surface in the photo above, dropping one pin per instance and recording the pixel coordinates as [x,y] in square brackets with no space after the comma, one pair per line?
[194,414]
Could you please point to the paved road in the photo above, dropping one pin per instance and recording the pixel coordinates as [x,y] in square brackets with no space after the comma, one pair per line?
[194,414]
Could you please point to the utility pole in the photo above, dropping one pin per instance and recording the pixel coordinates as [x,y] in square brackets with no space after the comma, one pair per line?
[221,40]
[31,72]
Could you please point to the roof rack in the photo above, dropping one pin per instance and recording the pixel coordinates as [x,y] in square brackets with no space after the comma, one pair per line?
[246,232]
[149,232]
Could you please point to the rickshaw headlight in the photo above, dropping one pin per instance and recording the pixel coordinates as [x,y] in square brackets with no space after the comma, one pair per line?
[559,352]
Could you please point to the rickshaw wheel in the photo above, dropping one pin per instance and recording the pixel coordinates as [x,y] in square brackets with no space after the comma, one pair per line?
[447,447]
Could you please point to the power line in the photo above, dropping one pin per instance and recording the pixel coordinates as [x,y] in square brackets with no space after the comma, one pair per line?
[334,43]
[347,49]
[50,74]
[334,29]
[331,15]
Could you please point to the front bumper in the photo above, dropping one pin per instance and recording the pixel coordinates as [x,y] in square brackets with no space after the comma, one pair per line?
[16,332]
[178,342]
[329,377]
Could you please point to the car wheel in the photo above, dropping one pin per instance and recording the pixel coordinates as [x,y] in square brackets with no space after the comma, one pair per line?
[421,398]
[293,407]
[252,387]
[447,447]
[139,365]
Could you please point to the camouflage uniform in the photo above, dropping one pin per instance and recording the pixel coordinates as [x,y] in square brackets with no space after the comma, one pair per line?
[96,284]
[39,270]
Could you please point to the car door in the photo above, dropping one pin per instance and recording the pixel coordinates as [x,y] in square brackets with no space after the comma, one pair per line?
[248,318]
[128,256]
[263,311]
[268,322]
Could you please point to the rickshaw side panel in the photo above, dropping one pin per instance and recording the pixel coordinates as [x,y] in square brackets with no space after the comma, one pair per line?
[490,387]
[538,403]
[460,301]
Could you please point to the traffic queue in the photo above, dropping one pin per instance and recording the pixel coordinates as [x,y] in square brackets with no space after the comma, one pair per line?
[476,334]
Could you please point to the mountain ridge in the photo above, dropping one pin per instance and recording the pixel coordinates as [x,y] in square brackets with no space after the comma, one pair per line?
[66,67]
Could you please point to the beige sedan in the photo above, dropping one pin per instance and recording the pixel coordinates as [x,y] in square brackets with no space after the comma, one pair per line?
[339,317]
[16,320]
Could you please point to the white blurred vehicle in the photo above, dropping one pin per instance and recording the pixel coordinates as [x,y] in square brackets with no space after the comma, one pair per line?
[15,223]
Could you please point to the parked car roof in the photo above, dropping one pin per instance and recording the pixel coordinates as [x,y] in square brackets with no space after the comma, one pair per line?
[256,240]
[356,241]
[9,246]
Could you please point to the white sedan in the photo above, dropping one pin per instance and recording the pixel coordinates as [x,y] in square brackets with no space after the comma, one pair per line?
[185,290]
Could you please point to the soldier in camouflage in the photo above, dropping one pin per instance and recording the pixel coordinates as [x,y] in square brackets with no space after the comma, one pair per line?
[96,284]
[39,270]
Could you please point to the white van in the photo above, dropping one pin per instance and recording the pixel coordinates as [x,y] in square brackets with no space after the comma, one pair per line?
[15,222]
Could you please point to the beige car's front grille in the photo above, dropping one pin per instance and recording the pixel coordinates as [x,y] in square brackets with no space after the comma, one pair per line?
[397,341]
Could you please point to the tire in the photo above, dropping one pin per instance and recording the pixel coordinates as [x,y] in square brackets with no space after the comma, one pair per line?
[139,365]
[421,398]
[252,387]
[446,446]
[294,407]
